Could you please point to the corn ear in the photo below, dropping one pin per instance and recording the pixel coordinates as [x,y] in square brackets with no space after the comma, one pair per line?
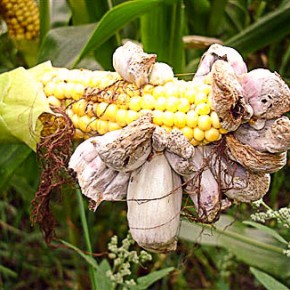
[98,102]
[21,17]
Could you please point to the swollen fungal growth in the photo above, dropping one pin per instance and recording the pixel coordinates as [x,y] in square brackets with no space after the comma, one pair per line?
[151,137]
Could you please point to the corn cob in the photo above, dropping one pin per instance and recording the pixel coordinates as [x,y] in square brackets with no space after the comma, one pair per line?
[21,17]
[98,102]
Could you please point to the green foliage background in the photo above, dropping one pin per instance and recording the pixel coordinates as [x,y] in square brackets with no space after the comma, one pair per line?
[85,33]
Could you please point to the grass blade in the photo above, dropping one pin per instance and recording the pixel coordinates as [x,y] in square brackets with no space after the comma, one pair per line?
[268,281]
[251,246]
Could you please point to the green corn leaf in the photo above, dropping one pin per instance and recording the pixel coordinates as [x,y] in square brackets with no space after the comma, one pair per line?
[80,13]
[254,247]
[267,29]
[216,17]
[113,21]
[268,281]
[161,33]
[63,44]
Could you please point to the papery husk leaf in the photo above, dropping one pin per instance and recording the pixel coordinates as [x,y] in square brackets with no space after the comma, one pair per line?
[22,101]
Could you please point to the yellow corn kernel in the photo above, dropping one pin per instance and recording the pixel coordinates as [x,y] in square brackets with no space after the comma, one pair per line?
[100,110]
[172,104]
[84,123]
[184,105]
[79,107]
[53,101]
[59,90]
[191,119]
[135,103]
[198,134]
[223,131]
[148,89]
[158,92]
[131,116]
[49,88]
[148,102]
[215,120]
[168,119]
[202,109]
[112,126]
[160,104]
[190,95]
[204,88]
[200,98]
[179,119]
[194,142]
[204,122]
[212,134]
[77,91]
[187,132]
[78,134]
[102,127]
[121,117]
[75,120]
[123,101]
[171,89]
[158,117]
[94,124]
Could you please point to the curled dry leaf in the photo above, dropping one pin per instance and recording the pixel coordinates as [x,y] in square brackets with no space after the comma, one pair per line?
[254,160]
[236,182]
[154,204]
[257,185]
[274,137]
[227,97]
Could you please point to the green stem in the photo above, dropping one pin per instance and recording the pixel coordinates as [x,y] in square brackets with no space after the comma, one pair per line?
[92,271]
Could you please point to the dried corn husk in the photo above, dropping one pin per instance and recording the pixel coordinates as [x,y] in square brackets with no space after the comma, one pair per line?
[220,52]
[274,137]
[205,194]
[227,97]
[154,204]
[257,185]
[254,160]
[133,64]
[159,139]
